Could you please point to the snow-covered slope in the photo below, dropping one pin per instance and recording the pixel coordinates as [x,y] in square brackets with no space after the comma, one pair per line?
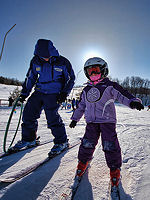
[5,90]
[52,179]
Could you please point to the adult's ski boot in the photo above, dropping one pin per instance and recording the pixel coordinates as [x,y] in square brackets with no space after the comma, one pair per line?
[58,148]
[21,144]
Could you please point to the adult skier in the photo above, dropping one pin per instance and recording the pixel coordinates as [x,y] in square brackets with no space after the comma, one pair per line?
[97,104]
[53,78]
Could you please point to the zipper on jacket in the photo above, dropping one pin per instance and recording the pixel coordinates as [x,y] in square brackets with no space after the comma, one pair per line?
[95,111]
[52,65]
[52,72]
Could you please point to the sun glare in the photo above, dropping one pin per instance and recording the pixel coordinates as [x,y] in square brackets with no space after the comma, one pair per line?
[90,54]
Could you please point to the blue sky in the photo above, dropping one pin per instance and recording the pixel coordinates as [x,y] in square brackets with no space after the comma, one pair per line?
[116,30]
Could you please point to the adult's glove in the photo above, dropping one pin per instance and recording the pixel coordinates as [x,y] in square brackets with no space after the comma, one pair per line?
[62,97]
[137,105]
[73,124]
[22,98]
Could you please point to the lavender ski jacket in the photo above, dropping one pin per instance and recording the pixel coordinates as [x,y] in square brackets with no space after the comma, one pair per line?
[97,102]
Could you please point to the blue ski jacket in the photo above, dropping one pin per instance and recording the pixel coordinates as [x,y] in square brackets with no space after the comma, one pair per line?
[48,77]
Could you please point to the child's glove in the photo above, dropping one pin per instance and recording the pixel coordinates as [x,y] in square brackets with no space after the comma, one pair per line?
[22,98]
[136,105]
[62,97]
[73,124]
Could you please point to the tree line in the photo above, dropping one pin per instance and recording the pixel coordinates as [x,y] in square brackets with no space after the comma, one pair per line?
[137,86]
[10,81]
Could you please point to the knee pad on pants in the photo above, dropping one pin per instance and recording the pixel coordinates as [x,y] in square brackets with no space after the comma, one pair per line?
[87,144]
[109,146]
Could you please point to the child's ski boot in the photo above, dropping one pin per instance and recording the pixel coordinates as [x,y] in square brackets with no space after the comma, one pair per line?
[115,178]
[81,168]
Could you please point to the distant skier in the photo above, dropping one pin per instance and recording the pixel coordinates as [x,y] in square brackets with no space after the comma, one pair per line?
[77,101]
[73,103]
[148,107]
[10,100]
[53,77]
[64,105]
[97,103]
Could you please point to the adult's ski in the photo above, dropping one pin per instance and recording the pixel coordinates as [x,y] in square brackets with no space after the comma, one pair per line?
[30,169]
[12,152]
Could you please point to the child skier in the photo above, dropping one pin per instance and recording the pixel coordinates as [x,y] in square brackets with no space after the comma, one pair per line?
[97,103]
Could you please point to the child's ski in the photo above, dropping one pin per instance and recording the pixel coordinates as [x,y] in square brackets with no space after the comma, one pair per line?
[30,169]
[71,191]
[114,193]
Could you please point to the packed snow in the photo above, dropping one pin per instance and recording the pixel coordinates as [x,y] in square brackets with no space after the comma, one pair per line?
[56,176]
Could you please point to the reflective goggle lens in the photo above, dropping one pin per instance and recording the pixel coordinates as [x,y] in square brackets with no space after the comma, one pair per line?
[93,69]
[45,58]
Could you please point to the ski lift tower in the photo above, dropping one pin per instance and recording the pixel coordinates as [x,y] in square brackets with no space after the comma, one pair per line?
[4,41]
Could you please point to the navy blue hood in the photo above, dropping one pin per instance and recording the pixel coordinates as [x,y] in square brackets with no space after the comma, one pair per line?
[44,48]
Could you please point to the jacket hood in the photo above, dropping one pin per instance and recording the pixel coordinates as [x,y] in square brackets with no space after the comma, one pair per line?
[44,48]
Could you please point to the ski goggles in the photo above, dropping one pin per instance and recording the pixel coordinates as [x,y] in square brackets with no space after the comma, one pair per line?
[45,58]
[93,69]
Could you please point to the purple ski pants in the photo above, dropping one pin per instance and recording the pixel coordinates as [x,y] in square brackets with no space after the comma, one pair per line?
[110,143]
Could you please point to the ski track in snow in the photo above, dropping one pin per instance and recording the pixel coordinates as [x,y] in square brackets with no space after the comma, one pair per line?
[52,179]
